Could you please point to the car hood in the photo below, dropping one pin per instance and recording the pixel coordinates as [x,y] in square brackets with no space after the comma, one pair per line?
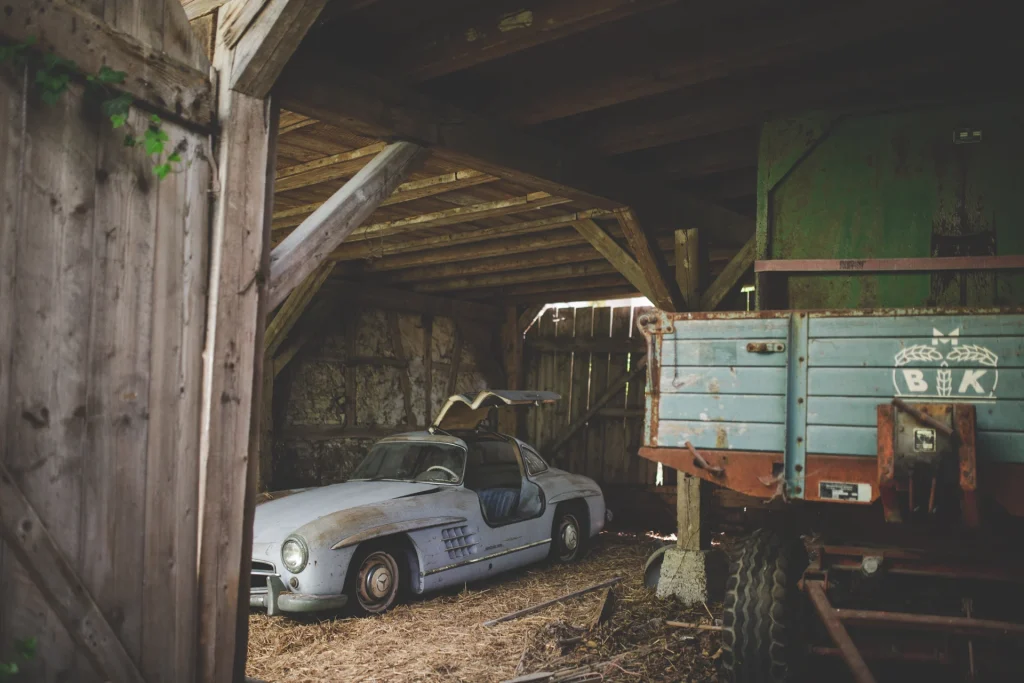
[276,519]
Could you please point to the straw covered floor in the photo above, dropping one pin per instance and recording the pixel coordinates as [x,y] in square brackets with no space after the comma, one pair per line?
[441,637]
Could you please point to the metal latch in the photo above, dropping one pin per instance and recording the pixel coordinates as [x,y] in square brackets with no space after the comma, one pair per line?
[766,347]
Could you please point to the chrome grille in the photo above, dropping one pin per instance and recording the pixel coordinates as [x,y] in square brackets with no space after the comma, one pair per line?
[260,571]
[459,541]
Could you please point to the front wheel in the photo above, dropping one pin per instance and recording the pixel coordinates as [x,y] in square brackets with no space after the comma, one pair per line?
[567,535]
[376,582]
[762,640]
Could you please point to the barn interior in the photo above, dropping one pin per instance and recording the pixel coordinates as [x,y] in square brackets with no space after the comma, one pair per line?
[388,202]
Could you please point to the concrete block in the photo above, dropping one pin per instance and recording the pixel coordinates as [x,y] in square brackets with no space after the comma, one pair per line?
[683,575]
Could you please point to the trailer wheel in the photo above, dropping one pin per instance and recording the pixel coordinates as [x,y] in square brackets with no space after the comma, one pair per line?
[762,640]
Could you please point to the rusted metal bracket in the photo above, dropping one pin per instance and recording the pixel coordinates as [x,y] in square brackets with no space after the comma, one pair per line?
[766,347]
[923,418]
[699,461]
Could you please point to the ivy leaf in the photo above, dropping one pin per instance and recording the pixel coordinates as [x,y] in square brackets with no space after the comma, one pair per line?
[152,143]
[51,97]
[129,141]
[161,170]
[174,158]
[155,119]
[26,648]
[118,120]
[8,670]
[108,75]
[117,105]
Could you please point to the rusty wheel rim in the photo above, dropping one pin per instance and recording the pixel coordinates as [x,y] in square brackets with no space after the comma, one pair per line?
[377,585]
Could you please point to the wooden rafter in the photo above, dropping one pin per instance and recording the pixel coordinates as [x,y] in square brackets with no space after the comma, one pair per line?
[406,192]
[491,33]
[459,214]
[174,89]
[687,267]
[568,270]
[758,46]
[329,90]
[293,308]
[625,291]
[357,294]
[377,249]
[606,245]
[663,291]
[739,265]
[290,121]
[530,243]
[27,536]
[325,169]
[311,243]
[496,264]
[262,36]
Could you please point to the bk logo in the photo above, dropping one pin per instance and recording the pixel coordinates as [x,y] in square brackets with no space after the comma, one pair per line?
[946,369]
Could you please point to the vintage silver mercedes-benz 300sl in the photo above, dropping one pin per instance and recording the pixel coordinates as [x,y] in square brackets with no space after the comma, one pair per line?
[423,511]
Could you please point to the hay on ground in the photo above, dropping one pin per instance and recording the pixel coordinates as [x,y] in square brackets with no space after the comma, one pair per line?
[440,637]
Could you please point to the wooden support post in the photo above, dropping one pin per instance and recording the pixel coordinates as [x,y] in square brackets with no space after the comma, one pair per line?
[688,512]
[312,242]
[403,374]
[26,535]
[428,369]
[512,351]
[453,374]
[688,267]
[728,278]
[233,360]
[665,294]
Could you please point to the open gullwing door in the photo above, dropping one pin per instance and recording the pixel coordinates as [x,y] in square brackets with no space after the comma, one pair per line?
[466,411]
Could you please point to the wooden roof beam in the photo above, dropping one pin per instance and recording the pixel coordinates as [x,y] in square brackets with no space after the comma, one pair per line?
[459,214]
[329,90]
[606,245]
[500,279]
[262,36]
[759,46]
[325,169]
[406,192]
[662,286]
[491,34]
[312,242]
[728,278]
[380,248]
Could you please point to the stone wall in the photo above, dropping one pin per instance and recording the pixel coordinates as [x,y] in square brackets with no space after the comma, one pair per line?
[313,442]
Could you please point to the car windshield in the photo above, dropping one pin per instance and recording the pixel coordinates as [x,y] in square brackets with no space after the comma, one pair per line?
[440,463]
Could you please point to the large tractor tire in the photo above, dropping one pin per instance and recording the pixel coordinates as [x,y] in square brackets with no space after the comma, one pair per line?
[763,639]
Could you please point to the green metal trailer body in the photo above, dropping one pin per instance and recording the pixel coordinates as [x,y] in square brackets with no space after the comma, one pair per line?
[888,185]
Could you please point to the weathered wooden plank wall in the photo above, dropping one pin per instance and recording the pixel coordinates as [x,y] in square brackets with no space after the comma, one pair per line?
[579,352]
[103,281]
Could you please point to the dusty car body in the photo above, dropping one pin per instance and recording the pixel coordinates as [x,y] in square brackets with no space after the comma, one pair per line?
[423,511]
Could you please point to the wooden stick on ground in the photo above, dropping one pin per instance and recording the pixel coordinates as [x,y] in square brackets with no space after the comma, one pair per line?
[548,603]
[699,627]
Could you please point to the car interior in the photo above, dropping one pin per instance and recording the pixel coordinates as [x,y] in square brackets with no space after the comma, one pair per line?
[493,472]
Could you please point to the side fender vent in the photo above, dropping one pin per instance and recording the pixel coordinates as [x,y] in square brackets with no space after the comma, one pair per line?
[459,541]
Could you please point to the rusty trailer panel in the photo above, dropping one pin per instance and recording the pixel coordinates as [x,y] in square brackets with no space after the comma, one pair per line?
[797,394]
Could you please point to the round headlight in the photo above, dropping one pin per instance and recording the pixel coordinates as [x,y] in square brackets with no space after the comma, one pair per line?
[294,555]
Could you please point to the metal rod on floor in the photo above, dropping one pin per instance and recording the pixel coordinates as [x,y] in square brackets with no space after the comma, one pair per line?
[836,630]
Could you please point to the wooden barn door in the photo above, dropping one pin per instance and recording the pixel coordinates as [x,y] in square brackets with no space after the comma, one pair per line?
[124,459]
[594,357]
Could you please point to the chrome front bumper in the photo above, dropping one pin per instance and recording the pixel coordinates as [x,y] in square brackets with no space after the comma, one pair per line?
[276,598]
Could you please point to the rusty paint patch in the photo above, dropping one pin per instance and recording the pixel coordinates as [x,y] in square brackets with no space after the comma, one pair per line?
[721,438]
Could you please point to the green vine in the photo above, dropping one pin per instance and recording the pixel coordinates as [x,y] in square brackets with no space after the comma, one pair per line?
[53,75]
[24,652]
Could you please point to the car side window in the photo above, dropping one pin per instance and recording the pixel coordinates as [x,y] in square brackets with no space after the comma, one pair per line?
[534,463]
